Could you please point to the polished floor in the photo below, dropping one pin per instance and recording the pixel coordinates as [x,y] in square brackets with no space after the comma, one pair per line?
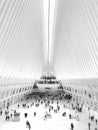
[56,122]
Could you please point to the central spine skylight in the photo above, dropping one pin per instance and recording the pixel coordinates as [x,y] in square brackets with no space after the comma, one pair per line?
[49,7]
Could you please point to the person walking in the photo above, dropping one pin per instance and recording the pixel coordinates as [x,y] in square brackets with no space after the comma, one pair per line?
[28,125]
[25,115]
[89,125]
[72,126]
[34,114]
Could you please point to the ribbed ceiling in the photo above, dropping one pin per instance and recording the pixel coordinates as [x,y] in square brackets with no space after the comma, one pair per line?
[76,39]
[73,38]
[21,39]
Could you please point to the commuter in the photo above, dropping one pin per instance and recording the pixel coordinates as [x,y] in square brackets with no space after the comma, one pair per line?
[96,121]
[69,116]
[89,125]
[34,114]
[25,115]
[28,125]
[72,126]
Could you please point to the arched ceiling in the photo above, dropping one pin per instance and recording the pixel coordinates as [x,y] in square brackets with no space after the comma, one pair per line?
[76,39]
[21,39]
[72,45]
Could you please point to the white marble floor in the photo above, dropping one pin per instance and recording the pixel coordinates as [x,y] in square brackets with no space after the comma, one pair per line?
[57,122]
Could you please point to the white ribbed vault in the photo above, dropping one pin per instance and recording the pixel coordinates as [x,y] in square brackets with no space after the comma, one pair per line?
[73,38]
[21,39]
[76,39]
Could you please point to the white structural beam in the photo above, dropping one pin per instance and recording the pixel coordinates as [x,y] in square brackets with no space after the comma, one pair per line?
[76,40]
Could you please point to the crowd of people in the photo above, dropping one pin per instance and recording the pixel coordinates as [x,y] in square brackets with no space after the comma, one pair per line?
[48,100]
